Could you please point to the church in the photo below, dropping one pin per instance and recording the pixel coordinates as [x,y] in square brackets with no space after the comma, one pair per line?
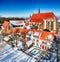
[46,20]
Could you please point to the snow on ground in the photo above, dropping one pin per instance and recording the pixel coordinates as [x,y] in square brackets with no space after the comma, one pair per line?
[9,54]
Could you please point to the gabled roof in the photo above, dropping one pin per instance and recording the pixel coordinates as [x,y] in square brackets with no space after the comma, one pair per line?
[44,35]
[40,16]
[5,24]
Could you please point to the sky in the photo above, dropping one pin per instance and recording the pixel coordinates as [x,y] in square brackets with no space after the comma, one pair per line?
[25,8]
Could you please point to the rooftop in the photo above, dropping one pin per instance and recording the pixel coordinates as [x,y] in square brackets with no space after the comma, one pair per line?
[40,16]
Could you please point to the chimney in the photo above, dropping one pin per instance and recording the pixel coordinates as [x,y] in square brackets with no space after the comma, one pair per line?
[39,10]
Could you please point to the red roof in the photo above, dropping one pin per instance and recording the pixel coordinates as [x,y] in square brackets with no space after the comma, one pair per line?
[5,24]
[39,17]
[44,34]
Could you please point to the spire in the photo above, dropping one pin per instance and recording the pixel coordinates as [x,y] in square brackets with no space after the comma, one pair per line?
[39,10]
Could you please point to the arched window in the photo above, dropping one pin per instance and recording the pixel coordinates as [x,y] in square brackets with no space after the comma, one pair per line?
[51,25]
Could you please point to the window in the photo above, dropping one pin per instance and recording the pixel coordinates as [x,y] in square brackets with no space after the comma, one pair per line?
[48,25]
[51,25]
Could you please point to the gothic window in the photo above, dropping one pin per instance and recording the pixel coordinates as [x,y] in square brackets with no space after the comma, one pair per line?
[48,25]
[51,25]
